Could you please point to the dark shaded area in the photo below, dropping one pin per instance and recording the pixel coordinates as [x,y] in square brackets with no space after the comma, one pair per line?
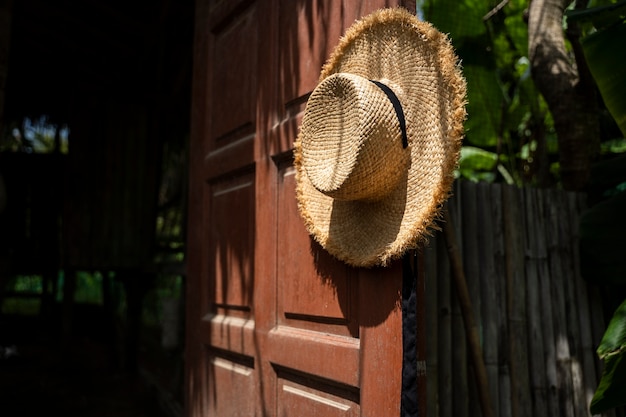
[43,374]
[64,51]
[118,74]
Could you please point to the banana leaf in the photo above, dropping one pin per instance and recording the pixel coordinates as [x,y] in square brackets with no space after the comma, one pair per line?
[463,21]
[477,164]
[611,391]
[604,53]
[601,16]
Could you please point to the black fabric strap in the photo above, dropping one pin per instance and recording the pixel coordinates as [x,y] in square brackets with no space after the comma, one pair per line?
[409,402]
[397,107]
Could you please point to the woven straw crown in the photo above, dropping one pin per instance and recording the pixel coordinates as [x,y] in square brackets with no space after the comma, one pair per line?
[380,139]
[351,140]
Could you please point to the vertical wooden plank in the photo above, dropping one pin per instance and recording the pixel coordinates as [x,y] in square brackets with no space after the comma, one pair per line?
[470,234]
[422,380]
[460,392]
[535,336]
[504,376]
[576,204]
[571,306]
[571,323]
[516,302]
[547,328]
[488,284]
[562,350]
[444,330]
[432,325]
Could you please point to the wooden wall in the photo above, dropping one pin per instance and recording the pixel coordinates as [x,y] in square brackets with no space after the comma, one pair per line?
[539,322]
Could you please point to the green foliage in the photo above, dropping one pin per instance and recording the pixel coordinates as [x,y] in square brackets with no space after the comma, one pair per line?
[602,241]
[88,288]
[21,306]
[27,283]
[601,14]
[609,68]
[36,135]
[31,284]
[463,21]
[507,116]
[510,133]
[613,146]
[477,164]
[505,111]
[611,391]
[602,46]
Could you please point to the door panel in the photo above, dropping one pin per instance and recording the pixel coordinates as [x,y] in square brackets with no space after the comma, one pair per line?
[275,325]
[311,294]
[308,34]
[234,89]
[231,242]
[232,386]
[303,396]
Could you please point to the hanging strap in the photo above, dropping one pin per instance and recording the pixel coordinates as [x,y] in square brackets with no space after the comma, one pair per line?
[395,102]
[409,403]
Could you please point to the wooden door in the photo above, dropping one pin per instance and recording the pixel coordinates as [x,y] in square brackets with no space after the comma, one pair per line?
[275,326]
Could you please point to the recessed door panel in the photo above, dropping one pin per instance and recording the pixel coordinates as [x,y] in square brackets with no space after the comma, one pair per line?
[231,242]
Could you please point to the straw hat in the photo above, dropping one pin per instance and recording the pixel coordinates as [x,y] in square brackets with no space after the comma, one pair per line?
[380,138]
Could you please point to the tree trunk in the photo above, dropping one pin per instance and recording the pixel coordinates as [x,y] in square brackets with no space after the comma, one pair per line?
[570,97]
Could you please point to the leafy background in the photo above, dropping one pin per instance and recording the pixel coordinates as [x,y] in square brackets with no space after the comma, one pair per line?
[510,134]
[511,137]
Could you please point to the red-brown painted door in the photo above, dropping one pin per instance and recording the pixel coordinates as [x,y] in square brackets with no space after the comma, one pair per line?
[275,326]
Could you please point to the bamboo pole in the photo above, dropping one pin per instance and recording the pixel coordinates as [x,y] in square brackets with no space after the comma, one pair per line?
[488,285]
[593,335]
[468,316]
[521,399]
[577,204]
[505,408]
[549,338]
[471,237]
[459,349]
[431,327]
[536,349]
[559,312]
[574,320]
[444,331]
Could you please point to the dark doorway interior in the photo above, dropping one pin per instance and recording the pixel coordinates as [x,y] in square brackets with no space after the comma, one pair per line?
[94,126]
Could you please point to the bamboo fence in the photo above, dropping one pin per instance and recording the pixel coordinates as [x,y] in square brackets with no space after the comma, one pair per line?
[539,322]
